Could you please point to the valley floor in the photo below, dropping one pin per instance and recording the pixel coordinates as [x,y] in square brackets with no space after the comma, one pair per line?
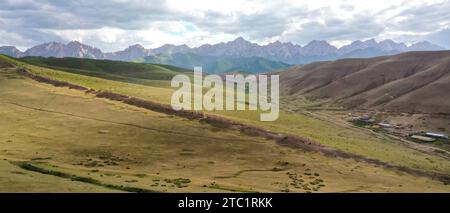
[57,140]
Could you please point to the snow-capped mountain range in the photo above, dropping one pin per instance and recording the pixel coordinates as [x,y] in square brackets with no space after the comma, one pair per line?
[239,48]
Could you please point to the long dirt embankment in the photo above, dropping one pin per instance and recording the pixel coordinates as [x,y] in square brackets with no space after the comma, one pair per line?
[289,140]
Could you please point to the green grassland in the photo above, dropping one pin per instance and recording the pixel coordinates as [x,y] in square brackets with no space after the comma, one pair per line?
[114,146]
[137,73]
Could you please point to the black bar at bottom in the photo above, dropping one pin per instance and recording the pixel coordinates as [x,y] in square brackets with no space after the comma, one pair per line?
[211,202]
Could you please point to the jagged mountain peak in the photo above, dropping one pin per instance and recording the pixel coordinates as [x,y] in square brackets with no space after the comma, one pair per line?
[240,39]
[358,45]
[424,46]
[50,44]
[388,41]
[135,46]
[75,43]
[389,44]
[12,48]
[11,51]
[278,43]
[80,46]
[318,48]
[71,49]
[371,42]
[318,42]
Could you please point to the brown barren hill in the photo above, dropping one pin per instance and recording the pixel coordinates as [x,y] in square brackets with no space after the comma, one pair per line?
[408,82]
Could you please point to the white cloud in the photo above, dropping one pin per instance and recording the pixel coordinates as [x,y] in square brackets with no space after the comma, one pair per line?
[340,43]
[116,24]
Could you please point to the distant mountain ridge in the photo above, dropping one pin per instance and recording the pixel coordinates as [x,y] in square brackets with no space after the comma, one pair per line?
[128,54]
[215,64]
[11,51]
[59,50]
[287,53]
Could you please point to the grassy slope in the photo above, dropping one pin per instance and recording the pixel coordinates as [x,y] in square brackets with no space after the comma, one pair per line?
[328,134]
[138,73]
[116,144]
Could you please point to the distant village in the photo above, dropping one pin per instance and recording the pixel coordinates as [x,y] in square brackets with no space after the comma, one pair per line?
[406,131]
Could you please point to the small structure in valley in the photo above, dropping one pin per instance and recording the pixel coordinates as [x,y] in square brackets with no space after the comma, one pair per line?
[423,138]
[436,135]
[385,125]
[363,120]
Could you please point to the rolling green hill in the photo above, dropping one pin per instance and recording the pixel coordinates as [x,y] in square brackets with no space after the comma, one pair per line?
[146,74]
[217,65]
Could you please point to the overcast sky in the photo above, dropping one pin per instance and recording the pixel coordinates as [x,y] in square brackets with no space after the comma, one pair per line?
[116,24]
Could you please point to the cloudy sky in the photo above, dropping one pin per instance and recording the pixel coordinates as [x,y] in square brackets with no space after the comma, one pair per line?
[116,24]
